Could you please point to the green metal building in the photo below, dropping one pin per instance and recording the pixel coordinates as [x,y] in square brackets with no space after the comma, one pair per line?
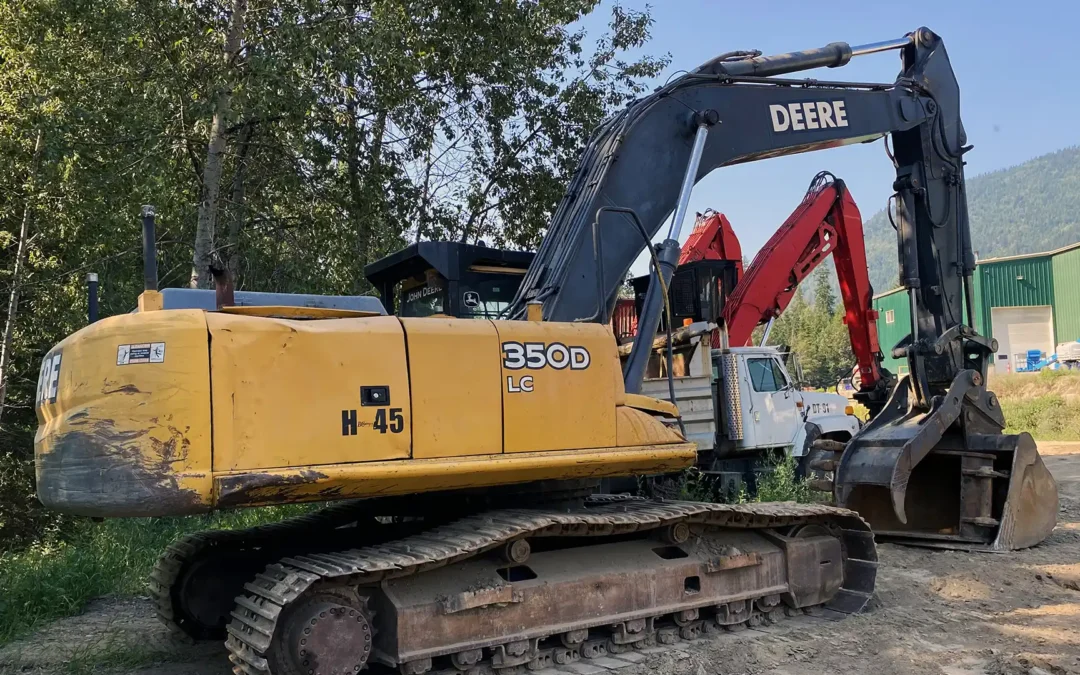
[1026,302]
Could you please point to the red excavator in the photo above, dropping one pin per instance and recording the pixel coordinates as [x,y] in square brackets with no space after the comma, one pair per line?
[827,221]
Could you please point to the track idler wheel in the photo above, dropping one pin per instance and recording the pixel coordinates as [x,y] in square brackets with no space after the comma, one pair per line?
[327,633]
[202,595]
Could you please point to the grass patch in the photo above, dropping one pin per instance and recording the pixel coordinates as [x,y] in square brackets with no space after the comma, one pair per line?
[1047,418]
[1044,404]
[778,482]
[53,579]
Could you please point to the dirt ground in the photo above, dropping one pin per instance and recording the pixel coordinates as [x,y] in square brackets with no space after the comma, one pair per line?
[934,612]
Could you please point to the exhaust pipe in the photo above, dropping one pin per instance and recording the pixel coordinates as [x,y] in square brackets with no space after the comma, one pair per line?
[92,296]
[150,299]
[149,249]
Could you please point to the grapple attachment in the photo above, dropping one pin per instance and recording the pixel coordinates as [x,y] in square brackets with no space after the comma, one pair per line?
[947,477]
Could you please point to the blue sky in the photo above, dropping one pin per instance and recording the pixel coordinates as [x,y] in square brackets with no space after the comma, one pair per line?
[1016,64]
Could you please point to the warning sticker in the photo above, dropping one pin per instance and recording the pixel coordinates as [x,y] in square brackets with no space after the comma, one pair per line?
[147,352]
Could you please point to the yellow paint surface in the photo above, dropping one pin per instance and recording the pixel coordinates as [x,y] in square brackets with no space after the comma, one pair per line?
[568,408]
[280,388]
[247,410]
[454,376]
[425,475]
[125,428]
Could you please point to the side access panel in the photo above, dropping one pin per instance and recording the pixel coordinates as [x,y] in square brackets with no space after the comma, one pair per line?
[558,385]
[301,393]
[454,377]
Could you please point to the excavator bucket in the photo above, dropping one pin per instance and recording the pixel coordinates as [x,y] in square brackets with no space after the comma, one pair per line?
[948,477]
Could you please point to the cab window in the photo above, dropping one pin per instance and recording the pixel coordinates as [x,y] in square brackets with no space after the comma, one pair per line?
[487,299]
[766,375]
[423,298]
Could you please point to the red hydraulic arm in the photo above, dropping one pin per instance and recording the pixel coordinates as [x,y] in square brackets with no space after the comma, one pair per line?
[827,221]
[712,239]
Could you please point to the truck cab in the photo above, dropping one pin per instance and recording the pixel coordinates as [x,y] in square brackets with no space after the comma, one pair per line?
[775,409]
[744,408]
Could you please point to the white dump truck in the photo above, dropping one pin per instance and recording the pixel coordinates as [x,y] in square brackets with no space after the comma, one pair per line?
[744,410]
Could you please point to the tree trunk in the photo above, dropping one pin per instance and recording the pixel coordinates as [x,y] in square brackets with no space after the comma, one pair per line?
[16,274]
[236,202]
[365,191]
[215,152]
[373,187]
[425,203]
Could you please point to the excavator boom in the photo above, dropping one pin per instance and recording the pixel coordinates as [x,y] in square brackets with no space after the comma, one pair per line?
[826,222]
[736,109]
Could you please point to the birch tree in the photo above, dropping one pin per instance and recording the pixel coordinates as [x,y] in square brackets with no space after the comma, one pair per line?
[215,151]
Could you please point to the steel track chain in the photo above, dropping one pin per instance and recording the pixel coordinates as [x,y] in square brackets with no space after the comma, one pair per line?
[180,553]
[255,618]
[666,636]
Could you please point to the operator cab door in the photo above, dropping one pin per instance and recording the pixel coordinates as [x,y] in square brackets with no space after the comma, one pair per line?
[772,402]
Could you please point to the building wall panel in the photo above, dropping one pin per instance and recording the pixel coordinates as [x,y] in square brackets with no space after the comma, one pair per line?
[891,333]
[1066,267]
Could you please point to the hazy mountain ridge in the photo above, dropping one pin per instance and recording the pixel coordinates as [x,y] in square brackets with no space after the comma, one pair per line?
[1028,208]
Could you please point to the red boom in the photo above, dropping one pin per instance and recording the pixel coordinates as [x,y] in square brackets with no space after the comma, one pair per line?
[827,221]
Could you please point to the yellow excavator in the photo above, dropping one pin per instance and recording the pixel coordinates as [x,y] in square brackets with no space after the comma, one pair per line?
[463,456]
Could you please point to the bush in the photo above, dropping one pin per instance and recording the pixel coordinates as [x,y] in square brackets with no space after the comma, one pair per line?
[23,519]
[776,482]
[1048,418]
[56,578]
[782,484]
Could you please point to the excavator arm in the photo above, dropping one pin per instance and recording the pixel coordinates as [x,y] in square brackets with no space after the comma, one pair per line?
[940,435]
[636,161]
[642,163]
[826,222]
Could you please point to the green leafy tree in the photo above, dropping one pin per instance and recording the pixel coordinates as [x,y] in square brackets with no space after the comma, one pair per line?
[291,141]
[816,333]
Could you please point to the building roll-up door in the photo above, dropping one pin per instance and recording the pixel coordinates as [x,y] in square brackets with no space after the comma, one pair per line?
[1018,330]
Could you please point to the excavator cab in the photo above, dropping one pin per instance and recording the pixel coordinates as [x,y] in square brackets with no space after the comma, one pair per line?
[448,278]
[697,292]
